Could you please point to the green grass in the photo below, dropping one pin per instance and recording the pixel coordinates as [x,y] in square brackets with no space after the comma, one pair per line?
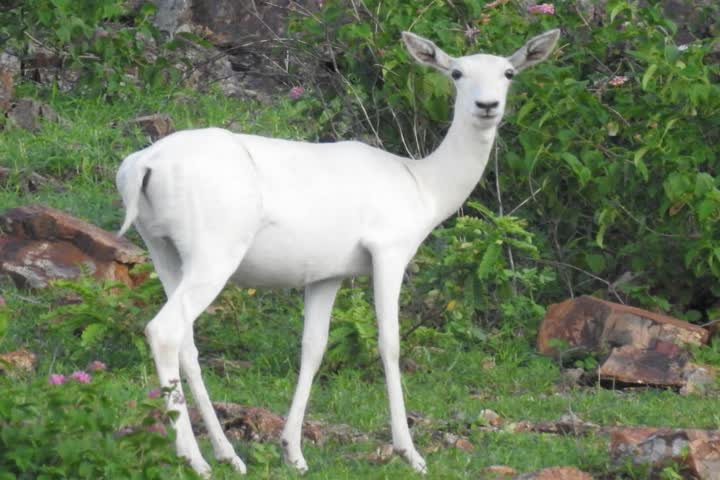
[450,386]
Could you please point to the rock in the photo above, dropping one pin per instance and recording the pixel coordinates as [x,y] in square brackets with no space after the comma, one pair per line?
[698,379]
[261,425]
[464,444]
[556,473]
[587,324]
[489,417]
[497,471]
[41,244]
[382,454]
[9,73]
[698,449]
[569,424]
[18,362]
[155,126]
[632,365]
[663,366]
[28,114]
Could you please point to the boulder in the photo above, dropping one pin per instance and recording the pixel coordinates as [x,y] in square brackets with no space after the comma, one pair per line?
[587,324]
[632,365]
[698,450]
[40,244]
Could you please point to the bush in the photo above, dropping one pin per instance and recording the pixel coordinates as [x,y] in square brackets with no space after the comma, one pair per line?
[74,428]
[610,155]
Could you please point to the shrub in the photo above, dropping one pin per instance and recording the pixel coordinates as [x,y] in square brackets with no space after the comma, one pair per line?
[75,429]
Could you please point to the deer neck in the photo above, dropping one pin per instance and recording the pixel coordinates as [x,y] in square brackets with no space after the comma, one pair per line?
[449,174]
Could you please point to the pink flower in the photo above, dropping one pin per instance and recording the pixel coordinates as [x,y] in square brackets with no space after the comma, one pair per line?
[543,8]
[2,302]
[297,92]
[96,366]
[618,80]
[157,428]
[155,393]
[56,379]
[80,376]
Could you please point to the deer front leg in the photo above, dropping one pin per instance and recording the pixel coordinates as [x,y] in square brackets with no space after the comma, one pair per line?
[319,298]
[388,271]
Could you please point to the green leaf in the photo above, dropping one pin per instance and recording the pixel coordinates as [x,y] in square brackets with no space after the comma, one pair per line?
[489,259]
[595,262]
[640,164]
[647,76]
[92,334]
[617,9]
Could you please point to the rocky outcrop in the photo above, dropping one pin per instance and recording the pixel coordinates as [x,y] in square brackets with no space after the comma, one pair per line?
[39,244]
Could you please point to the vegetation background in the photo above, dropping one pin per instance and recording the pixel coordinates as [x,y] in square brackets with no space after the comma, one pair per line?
[604,180]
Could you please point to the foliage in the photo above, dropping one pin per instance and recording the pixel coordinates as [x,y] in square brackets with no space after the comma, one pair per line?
[469,274]
[353,333]
[99,40]
[97,318]
[611,153]
[77,430]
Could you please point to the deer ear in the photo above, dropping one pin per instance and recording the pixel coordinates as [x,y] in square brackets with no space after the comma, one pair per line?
[426,52]
[535,50]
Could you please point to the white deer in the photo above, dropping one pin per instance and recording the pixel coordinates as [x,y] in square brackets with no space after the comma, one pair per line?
[214,206]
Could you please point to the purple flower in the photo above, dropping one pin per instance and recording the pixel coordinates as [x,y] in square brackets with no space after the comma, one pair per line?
[96,366]
[56,379]
[155,393]
[297,92]
[81,376]
[543,8]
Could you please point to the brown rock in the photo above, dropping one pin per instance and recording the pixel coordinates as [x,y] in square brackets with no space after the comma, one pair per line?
[40,244]
[556,473]
[698,449]
[155,126]
[491,418]
[589,324]
[704,458]
[495,471]
[20,361]
[633,365]
[261,425]
[464,444]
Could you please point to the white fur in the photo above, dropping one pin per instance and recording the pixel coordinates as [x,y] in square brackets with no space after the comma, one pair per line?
[275,213]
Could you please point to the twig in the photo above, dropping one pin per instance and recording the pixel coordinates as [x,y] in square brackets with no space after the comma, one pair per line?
[500,212]
[609,284]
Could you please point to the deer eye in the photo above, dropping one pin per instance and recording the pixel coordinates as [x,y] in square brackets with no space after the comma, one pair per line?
[509,74]
[456,74]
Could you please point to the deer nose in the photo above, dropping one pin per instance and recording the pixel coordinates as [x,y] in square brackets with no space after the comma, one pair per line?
[486,105]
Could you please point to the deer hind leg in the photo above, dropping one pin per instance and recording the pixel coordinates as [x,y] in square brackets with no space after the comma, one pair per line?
[170,335]
[319,298]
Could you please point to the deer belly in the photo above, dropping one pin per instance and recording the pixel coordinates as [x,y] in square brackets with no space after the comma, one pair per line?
[285,260]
